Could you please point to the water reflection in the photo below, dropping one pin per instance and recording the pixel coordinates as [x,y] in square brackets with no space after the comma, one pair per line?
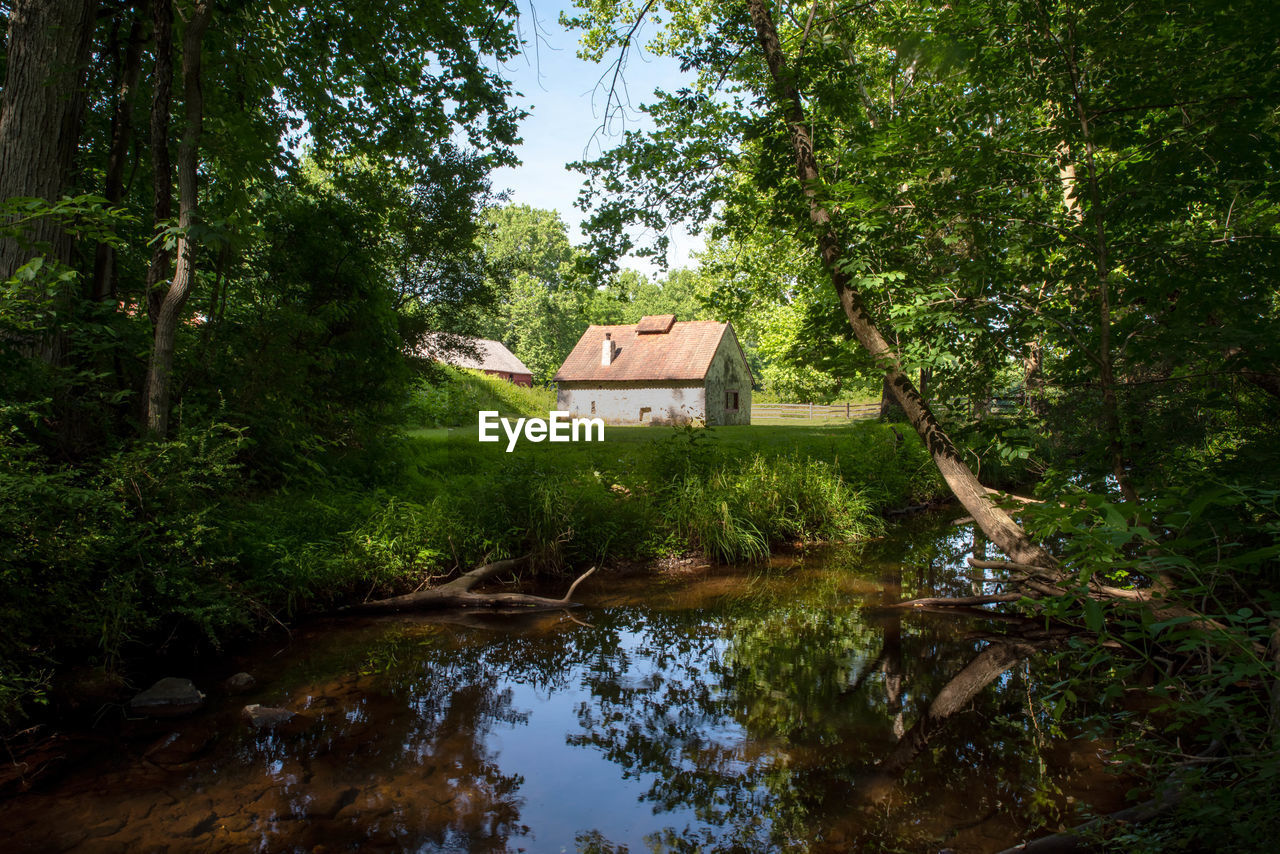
[735,712]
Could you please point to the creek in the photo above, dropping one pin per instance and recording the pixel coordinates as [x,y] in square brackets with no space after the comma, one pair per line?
[728,709]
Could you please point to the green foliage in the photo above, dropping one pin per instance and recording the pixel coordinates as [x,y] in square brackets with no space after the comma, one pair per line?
[1072,201]
[308,355]
[1205,660]
[548,295]
[454,398]
[100,557]
[739,514]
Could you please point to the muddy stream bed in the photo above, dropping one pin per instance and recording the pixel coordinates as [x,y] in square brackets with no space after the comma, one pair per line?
[707,709]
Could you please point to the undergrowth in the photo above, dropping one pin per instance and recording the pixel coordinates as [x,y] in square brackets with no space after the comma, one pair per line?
[451,397]
[171,546]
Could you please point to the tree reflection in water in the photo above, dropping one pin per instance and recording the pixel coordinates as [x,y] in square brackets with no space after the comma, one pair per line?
[762,712]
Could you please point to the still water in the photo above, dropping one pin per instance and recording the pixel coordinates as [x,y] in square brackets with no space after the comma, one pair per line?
[709,709]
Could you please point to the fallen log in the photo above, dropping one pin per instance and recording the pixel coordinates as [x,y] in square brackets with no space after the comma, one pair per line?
[458,594]
[1049,583]
[1091,836]
[957,601]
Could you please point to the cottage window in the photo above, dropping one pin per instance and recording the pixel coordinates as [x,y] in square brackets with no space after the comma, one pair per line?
[731,401]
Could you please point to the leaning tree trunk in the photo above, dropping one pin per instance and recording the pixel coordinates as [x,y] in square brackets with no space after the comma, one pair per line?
[166,322]
[995,523]
[48,51]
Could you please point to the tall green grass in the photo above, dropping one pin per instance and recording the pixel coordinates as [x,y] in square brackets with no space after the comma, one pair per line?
[197,552]
[739,514]
[454,397]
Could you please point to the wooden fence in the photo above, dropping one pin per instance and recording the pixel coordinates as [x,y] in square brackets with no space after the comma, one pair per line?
[813,411]
[861,411]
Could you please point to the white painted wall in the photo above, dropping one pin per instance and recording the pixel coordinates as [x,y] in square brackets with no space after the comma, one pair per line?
[623,403]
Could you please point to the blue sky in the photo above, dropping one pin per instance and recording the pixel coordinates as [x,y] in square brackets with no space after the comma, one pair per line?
[560,91]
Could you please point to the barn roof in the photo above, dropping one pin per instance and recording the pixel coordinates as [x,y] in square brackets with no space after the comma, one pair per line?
[489,355]
[656,348]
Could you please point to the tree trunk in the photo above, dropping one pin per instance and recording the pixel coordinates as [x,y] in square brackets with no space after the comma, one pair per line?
[995,523]
[958,693]
[161,170]
[42,103]
[166,325]
[889,408]
[121,129]
[1102,269]
[1033,377]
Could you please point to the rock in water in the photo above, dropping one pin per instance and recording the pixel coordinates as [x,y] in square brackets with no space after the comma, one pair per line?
[169,697]
[264,717]
[239,683]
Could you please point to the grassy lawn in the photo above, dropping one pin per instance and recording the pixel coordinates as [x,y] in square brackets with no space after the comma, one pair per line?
[442,448]
[441,500]
[732,492]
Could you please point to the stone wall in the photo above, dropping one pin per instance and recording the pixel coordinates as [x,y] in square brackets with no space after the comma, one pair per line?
[727,375]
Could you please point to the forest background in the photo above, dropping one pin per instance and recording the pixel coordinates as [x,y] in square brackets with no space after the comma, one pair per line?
[228,225]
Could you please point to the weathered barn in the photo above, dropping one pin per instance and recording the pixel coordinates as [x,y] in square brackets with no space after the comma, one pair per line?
[658,371]
[491,357]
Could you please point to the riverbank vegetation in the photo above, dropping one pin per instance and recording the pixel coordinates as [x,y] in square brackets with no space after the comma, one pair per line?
[1066,200]
[217,272]
[175,547]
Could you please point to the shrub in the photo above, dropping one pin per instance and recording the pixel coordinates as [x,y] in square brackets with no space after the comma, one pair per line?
[739,514]
[451,397]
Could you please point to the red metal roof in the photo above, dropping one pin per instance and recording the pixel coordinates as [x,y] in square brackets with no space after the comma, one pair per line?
[683,353]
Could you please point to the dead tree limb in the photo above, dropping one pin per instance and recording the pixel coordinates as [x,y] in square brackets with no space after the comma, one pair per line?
[1088,837]
[1050,583]
[957,601]
[457,594]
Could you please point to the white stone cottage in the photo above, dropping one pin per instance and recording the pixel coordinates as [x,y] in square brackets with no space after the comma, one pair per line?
[658,371]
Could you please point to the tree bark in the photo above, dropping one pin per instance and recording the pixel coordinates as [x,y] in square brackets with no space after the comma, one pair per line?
[995,523]
[42,104]
[889,408]
[121,130]
[161,168]
[1033,377]
[457,594]
[160,369]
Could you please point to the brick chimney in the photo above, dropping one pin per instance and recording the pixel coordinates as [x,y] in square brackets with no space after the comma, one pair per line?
[607,352]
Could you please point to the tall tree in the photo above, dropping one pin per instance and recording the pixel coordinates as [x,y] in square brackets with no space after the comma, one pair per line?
[121,133]
[40,113]
[995,523]
[175,296]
